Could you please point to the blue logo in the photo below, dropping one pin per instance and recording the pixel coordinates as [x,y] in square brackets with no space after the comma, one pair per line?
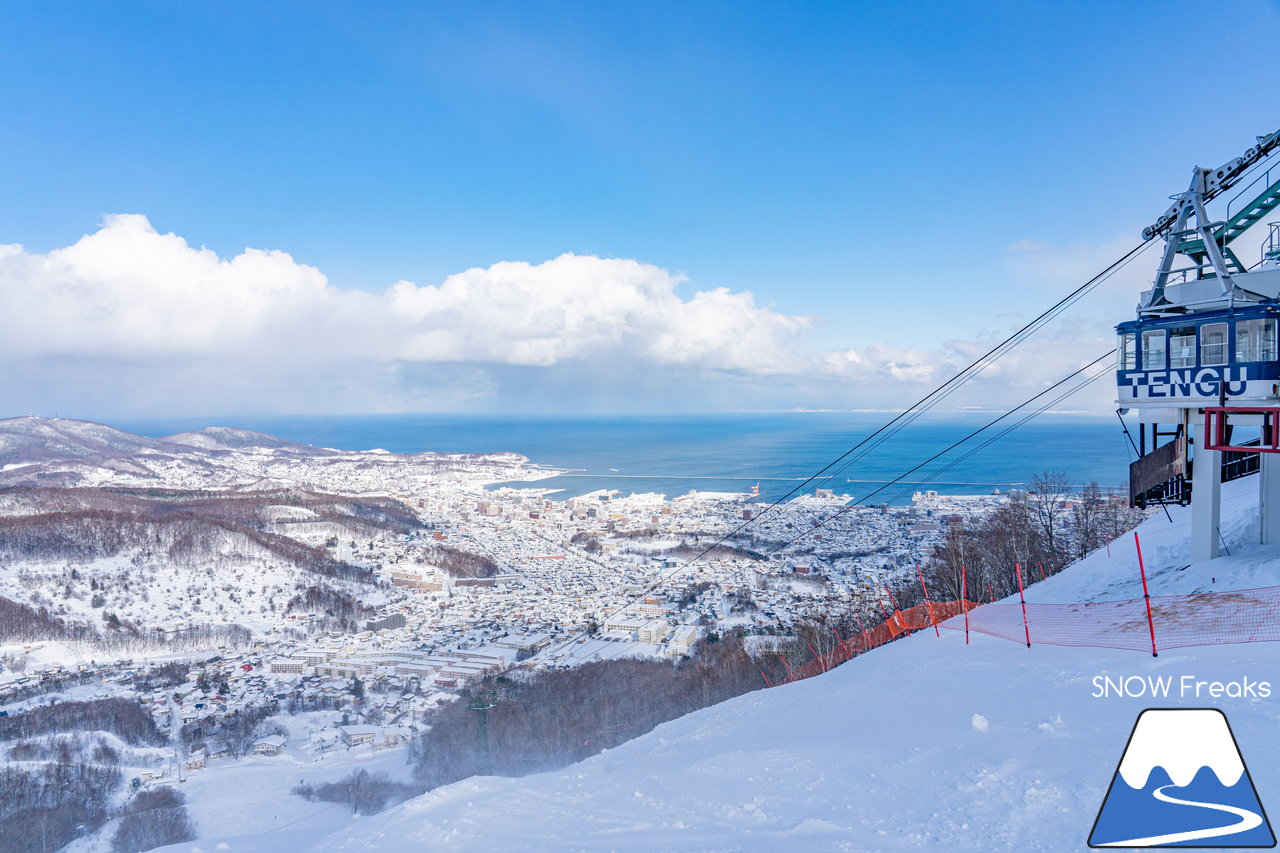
[1182,782]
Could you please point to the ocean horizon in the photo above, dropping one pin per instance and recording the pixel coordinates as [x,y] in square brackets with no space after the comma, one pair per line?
[674,454]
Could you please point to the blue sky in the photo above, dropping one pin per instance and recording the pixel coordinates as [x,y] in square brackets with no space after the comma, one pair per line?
[866,164]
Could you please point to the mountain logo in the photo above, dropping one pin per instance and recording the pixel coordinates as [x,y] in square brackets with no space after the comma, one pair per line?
[1182,782]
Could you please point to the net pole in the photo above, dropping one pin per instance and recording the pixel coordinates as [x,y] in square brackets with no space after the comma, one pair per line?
[880,601]
[817,656]
[924,589]
[897,611]
[1026,628]
[964,601]
[1146,596]
[896,608]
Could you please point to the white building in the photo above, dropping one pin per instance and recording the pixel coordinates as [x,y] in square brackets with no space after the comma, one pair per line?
[682,641]
[623,624]
[357,735]
[273,745]
[653,631]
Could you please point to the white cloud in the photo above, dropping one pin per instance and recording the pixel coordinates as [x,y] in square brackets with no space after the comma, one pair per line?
[129,319]
[577,307]
[879,361]
[127,290]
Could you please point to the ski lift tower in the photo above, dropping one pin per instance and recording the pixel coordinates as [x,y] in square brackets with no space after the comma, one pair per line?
[1201,359]
[482,703]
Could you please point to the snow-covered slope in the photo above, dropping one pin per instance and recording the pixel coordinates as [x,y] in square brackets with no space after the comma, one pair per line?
[924,744]
[164,559]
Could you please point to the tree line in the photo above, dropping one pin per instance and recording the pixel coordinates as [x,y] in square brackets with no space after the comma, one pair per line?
[124,718]
[461,564]
[66,787]
[547,719]
[1043,529]
[184,538]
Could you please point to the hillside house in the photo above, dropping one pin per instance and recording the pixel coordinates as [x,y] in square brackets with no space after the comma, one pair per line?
[273,745]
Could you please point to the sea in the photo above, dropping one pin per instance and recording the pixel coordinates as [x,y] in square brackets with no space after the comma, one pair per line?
[674,454]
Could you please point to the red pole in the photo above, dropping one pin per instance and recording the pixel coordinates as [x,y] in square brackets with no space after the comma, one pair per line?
[1041,568]
[1025,627]
[896,608]
[766,680]
[1151,625]
[880,601]
[964,602]
[927,605]
[991,592]
[817,656]
[862,631]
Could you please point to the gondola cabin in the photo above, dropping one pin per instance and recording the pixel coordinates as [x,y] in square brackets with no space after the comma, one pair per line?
[1200,359]
[1202,356]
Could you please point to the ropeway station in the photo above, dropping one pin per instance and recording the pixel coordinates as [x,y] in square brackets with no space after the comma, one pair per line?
[1199,366]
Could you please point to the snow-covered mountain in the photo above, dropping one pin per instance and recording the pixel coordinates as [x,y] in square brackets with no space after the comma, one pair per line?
[217,526]
[60,452]
[232,438]
[925,744]
[32,439]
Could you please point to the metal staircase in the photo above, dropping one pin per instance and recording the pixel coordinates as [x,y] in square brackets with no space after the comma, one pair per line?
[1237,223]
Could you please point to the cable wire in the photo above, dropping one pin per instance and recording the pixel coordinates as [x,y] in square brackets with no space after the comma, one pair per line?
[924,404]
[937,395]
[954,445]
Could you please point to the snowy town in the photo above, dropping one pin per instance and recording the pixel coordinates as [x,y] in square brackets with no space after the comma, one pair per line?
[549,583]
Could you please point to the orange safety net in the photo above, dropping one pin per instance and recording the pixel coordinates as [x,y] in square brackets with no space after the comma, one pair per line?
[924,615]
[1178,621]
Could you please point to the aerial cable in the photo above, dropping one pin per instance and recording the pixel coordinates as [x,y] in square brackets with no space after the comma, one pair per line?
[924,404]
[991,440]
[933,475]
[912,412]
[678,569]
[1021,335]
[1008,344]
[1004,432]
[953,446]
[909,415]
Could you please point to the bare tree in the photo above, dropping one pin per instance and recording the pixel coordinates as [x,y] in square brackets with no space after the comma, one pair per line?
[1046,499]
[154,818]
